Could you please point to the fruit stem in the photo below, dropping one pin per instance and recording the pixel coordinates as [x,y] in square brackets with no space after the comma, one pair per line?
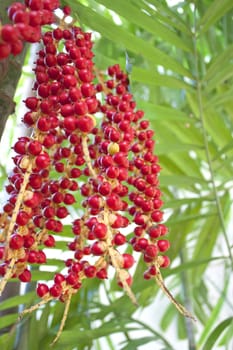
[113,256]
[7,276]
[87,156]
[34,307]
[180,308]
[17,206]
[187,302]
[63,321]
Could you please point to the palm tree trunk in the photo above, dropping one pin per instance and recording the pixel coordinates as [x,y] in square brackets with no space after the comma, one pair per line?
[10,71]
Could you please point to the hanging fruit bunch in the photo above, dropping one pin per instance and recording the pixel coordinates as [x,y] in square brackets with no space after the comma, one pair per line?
[87,137]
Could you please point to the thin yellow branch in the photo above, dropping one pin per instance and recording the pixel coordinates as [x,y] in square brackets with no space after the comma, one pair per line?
[180,308]
[87,156]
[63,321]
[7,276]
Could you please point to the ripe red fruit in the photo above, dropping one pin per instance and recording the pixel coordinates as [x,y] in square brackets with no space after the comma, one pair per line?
[90,271]
[72,278]
[35,181]
[59,278]
[42,160]
[49,241]
[128,261]
[55,290]
[151,250]
[16,6]
[42,289]
[99,230]
[16,47]
[20,146]
[21,17]
[5,50]
[85,124]
[34,147]
[16,241]
[69,199]
[112,172]
[25,276]
[31,103]
[22,218]
[67,10]
[9,33]
[154,232]
[157,216]
[102,274]
[166,261]
[28,241]
[98,248]
[163,245]
[35,5]
[113,201]
[62,212]
[95,201]
[32,199]
[119,239]
[142,243]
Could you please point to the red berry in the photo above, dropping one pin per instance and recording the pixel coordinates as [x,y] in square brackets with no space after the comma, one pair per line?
[5,50]
[16,6]
[85,124]
[163,245]
[151,250]
[42,289]
[102,274]
[25,276]
[16,47]
[128,261]
[42,160]
[90,271]
[59,278]
[34,147]
[9,33]
[113,201]
[95,201]
[67,10]
[99,230]
[98,248]
[119,239]
[55,290]
[72,278]
[166,261]
[22,218]
[16,241]
[157,216]
[49,241]
[69,199]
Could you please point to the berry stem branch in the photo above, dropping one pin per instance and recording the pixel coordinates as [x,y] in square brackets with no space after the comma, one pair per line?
[7,276]
[18,203]
[113,256]
[180,308]
[35,307]
[205,140]
[187,303]
[87,156]
[64,317]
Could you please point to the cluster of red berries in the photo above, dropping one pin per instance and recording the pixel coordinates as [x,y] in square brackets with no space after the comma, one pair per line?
[88,138]
[27,20]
